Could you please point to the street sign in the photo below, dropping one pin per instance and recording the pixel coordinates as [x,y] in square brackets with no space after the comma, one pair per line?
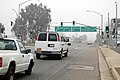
[63,29]
[88,29]
[75,29]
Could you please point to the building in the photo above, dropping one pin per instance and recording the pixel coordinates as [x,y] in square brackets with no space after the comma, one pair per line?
[113,26]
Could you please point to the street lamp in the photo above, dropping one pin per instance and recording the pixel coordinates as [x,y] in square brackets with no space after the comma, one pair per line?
[19,15]
[101,23]
[101,18]
[22,4]
[15,12]
[19,9]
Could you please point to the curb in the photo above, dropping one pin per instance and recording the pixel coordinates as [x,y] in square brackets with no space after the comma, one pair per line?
[112,59]
[103,67]
[115,74]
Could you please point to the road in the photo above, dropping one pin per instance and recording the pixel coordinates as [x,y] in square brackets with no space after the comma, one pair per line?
[81,64]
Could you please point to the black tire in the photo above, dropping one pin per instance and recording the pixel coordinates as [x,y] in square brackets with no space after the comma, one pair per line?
[60,55]
[66,54]
[118,45]
[38,56]
[10,73]
[29,70]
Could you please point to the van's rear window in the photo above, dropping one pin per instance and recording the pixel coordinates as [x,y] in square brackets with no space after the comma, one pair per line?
[42,37]
[52,37]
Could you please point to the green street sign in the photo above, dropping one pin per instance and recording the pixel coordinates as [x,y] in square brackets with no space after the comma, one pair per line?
[88,29]
[75,28]
[63,29]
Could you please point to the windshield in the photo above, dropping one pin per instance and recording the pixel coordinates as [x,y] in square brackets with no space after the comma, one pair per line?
[7,45]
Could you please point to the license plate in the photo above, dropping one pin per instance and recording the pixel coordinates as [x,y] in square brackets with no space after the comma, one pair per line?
[39,49]
[51,45]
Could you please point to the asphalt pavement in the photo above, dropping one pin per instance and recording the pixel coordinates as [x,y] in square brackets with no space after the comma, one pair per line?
[81,64]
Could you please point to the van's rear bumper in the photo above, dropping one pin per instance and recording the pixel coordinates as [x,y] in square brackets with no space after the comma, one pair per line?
[48,52]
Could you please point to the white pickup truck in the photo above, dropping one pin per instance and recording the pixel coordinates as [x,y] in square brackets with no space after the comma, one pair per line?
[14,57]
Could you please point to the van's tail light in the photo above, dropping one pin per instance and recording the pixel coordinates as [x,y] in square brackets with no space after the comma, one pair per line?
[58,38]
[0,61]
[36,37]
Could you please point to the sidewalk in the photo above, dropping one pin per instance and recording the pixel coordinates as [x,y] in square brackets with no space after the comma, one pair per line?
[104,70]
[112,60]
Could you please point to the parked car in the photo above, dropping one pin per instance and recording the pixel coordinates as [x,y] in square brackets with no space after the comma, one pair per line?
[51,44]
[14,58]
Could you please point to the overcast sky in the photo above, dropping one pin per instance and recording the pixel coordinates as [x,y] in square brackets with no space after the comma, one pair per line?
[63,10]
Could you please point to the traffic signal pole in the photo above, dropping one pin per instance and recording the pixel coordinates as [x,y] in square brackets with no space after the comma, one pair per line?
[108,34]
[116,23]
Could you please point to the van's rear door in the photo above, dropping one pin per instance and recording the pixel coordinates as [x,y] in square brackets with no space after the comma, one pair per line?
[41,43]
[53,42]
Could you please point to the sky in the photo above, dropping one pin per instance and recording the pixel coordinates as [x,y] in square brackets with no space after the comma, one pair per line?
[64,11]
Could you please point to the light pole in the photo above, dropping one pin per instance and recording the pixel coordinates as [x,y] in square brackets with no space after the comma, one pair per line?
[15,12]
[116,23]
[19,7]
[101,24]
[101,18]
[19,16]
[22,4]
[19,10]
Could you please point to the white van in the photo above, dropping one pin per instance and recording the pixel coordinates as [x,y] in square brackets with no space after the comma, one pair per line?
[51,44]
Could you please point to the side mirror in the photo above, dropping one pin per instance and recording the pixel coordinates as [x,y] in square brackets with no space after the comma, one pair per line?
[28,50]
[69,44]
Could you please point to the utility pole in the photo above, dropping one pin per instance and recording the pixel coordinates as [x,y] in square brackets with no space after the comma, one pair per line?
[108,34]
[116,23]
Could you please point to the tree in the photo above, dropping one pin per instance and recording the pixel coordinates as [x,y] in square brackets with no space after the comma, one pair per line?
[34,18]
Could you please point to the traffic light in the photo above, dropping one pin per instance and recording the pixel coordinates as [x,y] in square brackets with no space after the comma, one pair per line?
[114,20]
[113,32]
[73,22]
[61,23]
[11,23]
[107,35]
[107,29]
[102,33]
[2,30]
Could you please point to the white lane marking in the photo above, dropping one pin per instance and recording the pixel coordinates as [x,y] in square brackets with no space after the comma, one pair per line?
[78,48]
[82,67]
